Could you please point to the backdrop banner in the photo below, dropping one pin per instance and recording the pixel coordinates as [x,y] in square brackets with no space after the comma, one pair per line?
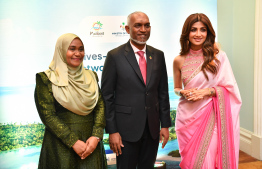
[29,30]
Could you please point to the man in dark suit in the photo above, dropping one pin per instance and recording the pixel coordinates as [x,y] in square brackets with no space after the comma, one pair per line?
[135,90]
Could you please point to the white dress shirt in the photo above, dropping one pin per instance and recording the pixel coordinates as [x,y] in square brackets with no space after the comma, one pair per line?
[136,50]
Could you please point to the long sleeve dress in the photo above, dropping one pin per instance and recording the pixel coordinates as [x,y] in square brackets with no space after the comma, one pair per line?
[64,128]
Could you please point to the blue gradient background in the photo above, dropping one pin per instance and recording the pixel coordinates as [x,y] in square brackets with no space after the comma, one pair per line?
[29,30]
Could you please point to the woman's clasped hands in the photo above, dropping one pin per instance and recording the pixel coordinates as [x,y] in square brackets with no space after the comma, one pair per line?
[195,94]
[85,149]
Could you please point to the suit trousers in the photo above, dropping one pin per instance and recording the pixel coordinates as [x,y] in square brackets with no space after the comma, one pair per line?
[141,154]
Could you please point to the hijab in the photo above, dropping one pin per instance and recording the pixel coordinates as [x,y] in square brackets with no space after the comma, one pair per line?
[74,88]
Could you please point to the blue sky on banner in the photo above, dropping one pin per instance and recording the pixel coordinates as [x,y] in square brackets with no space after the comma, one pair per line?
[29,30]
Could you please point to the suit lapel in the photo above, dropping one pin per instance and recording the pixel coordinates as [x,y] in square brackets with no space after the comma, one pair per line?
[130,56]
[149,60]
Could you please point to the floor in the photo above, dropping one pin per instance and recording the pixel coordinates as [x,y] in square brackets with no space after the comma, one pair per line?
[248,162]
[245,162]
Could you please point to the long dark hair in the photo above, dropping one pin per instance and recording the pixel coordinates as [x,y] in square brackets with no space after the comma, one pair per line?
[211,63]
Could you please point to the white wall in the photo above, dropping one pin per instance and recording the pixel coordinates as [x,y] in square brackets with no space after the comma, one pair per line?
[239,32]
[236,29]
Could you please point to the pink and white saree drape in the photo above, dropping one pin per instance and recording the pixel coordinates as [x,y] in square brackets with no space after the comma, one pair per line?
[208,129]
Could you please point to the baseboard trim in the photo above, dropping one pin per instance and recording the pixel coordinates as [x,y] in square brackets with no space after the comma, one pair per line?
[256,146]
[251,143]
[245,141]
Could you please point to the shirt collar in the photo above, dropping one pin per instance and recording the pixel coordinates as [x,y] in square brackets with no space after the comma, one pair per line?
[136,49]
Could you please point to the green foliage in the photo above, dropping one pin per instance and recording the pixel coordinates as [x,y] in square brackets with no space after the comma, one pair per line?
[173,117]
[106,140]
[172,134]
[174,153]
[15,135]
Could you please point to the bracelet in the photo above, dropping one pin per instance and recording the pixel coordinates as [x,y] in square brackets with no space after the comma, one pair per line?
[211,92]
[178,92]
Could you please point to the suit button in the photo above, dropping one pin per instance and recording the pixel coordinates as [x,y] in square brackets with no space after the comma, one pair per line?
[145,107]
[147,93]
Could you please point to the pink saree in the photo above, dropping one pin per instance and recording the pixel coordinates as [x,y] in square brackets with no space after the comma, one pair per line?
[208,129]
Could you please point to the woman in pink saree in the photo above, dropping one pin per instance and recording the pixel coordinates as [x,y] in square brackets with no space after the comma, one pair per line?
[207,119]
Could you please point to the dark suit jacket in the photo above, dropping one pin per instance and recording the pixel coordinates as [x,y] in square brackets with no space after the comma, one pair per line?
[129,102]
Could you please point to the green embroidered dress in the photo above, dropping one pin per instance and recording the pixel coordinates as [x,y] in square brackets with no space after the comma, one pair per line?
[64,128]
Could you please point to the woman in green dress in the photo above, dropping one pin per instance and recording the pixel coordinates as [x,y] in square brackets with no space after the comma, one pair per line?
[71,107]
